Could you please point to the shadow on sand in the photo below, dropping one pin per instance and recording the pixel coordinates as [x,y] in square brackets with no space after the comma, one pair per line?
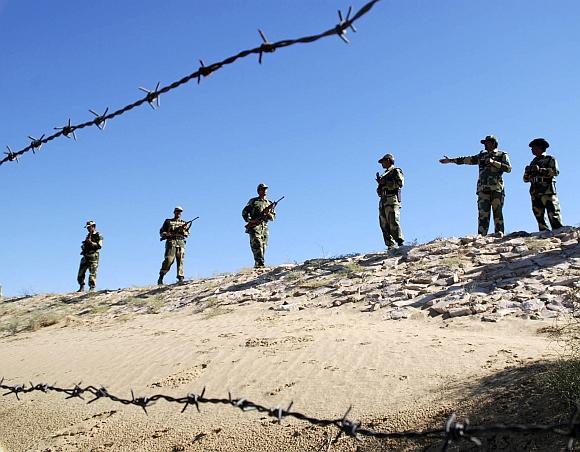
[511,396]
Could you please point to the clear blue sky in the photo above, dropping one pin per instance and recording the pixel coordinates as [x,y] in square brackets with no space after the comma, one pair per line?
[420,79]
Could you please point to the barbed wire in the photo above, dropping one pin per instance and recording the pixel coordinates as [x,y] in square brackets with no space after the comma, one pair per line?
[452,432]
[152,96]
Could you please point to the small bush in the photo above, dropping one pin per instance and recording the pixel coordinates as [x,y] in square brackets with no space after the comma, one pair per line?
[564,378]
[215,311]
[293,275]
[38,321]
[10,327]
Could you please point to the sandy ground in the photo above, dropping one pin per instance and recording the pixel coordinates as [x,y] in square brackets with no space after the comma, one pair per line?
[401,373]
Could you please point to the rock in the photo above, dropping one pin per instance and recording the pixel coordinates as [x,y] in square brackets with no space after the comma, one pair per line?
[398,314]
[478,308]
[461,311]
[442,306]
[533,305]
[414,302]
[286,307]
[557,306]
[505,304]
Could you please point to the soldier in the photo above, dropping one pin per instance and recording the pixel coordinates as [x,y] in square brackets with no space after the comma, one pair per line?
[541,173]
[258,233]
[90,260]
[389,190]
[490,188]
[174,232]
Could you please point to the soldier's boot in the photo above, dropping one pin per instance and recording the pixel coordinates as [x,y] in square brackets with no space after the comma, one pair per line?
[400,242]
[92,289]
[180,280]
[160,279]
[81,288]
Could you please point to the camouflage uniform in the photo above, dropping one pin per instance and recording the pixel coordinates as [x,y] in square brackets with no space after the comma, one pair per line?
[490,186]
[543,190]
[90,260]
[389,189]
[258,234]
[174,234]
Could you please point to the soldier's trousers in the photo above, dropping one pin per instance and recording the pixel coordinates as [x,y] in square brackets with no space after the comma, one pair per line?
[549,203]
[90,263]
[390,222]
[258,244]
[174,249]
[486,203]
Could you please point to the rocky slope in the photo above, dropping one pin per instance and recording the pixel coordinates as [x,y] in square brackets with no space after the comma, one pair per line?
[522,274]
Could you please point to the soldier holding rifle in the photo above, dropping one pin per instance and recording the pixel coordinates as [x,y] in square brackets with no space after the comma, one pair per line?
[389,191]
[174,231]
[90,260]
[540,173]
[257,213]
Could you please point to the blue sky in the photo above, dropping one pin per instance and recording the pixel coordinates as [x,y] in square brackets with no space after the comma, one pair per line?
[420,79]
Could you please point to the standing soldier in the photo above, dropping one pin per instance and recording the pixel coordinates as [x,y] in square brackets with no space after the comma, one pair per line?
[174,232]
[254,213]
[490,188]
[90,260]
[541,173]
[389,190]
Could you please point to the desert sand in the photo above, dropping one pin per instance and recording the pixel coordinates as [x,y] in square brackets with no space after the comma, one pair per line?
[322,335]
[324,361]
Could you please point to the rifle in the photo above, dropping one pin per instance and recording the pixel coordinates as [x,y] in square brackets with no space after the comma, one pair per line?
[181,230]
[86,242]
[379,180]
[263,216]
[532,170]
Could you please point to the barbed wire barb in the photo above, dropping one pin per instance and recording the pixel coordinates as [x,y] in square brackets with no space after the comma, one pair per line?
[11,156]
[68,130]
[152,97]
[266,46]
[203,71]
[100,120]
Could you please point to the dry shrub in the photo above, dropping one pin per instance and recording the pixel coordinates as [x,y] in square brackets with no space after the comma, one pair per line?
[564,377]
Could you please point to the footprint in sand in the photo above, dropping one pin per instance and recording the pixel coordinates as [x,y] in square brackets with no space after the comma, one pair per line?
[181,378]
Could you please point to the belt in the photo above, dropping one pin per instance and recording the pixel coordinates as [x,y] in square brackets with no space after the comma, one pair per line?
[389,192]
[541,179]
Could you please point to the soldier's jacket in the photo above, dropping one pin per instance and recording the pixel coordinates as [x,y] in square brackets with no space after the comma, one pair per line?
[490,176]
[173,230]
[91,247]
[390,184]
[543,183]
[253,210]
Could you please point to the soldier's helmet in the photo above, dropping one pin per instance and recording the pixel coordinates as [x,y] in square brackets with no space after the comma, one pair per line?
[541,142]
[262,186]
[90,223]
[387,157]
[178,208]
[489,138]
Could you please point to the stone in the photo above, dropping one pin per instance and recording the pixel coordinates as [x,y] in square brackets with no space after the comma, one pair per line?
[533,305]
[461,311]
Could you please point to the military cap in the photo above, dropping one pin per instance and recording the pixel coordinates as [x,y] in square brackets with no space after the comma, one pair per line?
[489,138]
[387,157]
[539,142]
[178,208]
[90,223]
[262,186]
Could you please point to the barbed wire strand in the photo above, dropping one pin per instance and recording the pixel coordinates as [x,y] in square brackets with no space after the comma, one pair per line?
[453,431]
[152,96]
